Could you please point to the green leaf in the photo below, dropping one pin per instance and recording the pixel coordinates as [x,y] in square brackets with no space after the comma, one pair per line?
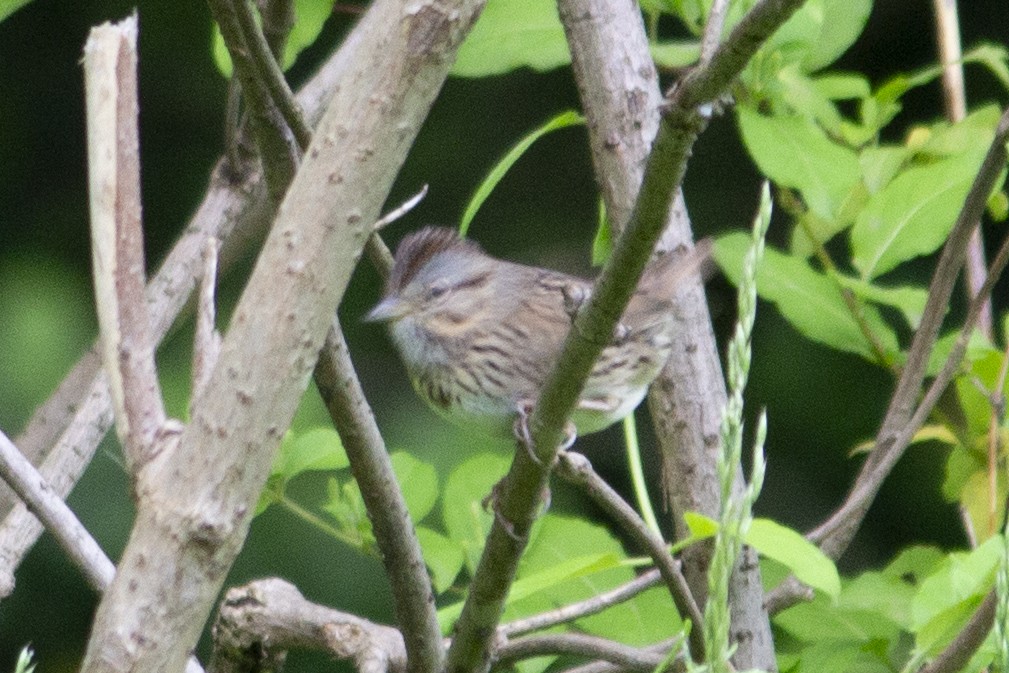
[809,300]
[310,16]
[466,519]
[882,594]
[912,215]
[602,243]
[8,7]
[316,450]
[675,54]
[701,527]
[842,86]
[419,482]
[649,618]
[823,620]
[803,557]
[962,576]
[819,32]
[563,120]
[345,505]
[443,556]
[512,34]
[910,301]
[792,151]
[880,164]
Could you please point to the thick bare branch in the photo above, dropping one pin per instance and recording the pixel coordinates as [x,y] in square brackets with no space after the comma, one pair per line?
[64,432]
[110,78]
[195,505]
[260,621]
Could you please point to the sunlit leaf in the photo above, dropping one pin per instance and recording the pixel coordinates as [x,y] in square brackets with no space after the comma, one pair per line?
[418,481]
[512,34]
[8,7]
[466,519]
[442,555]
[675,54]
[910,301]
[808,299]
[962,576]
[912,215]
[790,548]
[315,450]
[310,16]
[563,120]
[792,151]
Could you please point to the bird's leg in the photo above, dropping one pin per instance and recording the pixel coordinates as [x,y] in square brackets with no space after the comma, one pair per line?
[524,436]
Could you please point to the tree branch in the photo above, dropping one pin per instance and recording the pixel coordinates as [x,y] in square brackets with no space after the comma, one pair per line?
[259,622]
[279,131]
[110,74]
[75,540]
[581,645]
[64,431]
[576,469]
[518,494]
[947,32]
[397,540]
[965,644]
[196,504]
[590,606]
[904,417]
[621,99]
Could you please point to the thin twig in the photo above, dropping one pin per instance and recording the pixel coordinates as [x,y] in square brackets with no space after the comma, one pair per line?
[947,29]
[267,63]
[834,534]
[278,19]
[713,29]
[396,537]
[664,648]
[29,485]
[855,307]
[63,433]
[580,645]
[590,606]
[575,468]
[377,250]
[965,644]
[279,145]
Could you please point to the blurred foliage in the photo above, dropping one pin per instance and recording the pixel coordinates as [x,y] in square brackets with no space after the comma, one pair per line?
[856,154]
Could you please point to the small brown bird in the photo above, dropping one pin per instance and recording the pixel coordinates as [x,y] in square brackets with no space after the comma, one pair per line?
[478,335]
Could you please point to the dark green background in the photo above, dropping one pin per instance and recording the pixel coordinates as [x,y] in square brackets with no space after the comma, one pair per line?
[819,403]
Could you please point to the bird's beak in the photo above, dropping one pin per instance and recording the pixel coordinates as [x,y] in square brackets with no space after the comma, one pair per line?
[390,308]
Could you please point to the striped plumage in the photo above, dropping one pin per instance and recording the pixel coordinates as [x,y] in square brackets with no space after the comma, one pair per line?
[478,335]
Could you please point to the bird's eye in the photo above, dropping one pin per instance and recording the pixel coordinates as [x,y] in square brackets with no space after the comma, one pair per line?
[437,290]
